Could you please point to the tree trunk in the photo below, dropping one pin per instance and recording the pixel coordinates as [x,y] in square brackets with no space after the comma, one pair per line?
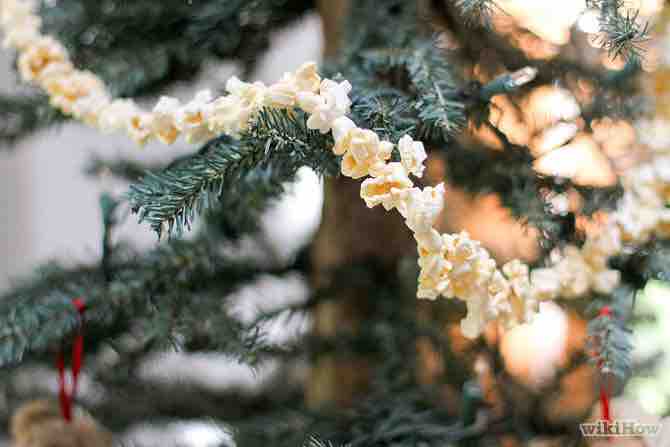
[350,233]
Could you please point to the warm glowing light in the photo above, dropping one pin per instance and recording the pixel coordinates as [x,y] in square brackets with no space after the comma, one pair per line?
[486,219]
[589,21]
[550,21]
[534,351]
[646,7]
[507,118]
[616,137]
[549,104]
[581,161]
[553,137]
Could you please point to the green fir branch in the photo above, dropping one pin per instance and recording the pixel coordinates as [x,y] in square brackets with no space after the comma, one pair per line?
[609,338]
[143,45]
[431,76]
[20,115]
[241,177]
[477,12]
[174,293]
[431,91]
[510,175]
[129,170]
[621,33]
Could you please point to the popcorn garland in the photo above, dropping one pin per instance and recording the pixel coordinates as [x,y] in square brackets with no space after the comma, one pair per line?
[452,265]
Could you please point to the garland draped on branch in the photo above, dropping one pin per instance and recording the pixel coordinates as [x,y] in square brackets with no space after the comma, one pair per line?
[452,265]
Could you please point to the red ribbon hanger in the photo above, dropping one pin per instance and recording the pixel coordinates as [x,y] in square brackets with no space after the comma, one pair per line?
[67,397]
[604,392]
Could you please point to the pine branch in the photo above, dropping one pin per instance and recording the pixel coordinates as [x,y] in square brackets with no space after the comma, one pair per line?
[20,115]
[315,441]
[143,45]
[400,19]
[648,262]
[129,170]
[521,189]
[428,83]
[413,89]
[241,177]
[620,32]
[386,111]
[147,290]
[477,12]
[609,337]
[168,200]
[431,76]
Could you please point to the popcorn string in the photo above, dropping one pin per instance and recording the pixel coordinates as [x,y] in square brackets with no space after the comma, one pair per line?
[452,265]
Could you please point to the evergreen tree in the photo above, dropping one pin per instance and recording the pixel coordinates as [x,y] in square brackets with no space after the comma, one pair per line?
[377,366]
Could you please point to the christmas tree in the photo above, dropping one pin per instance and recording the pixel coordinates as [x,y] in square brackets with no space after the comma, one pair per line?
[494,198]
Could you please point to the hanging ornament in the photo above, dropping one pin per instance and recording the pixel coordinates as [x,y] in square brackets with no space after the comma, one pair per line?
[605,373]
[45,423]
[66,396]
[40,423]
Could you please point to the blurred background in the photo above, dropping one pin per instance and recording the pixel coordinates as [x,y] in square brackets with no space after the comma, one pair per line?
[37,225]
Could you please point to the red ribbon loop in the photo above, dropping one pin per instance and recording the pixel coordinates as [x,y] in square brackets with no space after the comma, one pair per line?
[67,397]
[604,392]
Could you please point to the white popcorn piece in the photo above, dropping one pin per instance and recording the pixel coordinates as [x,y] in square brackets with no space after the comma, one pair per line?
[545,284]
[191,118]
[333,104]
[125,115]
[472,266]
[433,277]
[422,207]
[461,269]
[164,120]
[309,101]
[574,273]
[499,290]
[429,241]
[363,153]
[307,78]
[116,115]
[341,128]
[412,155]
[14,12]
[474,323]
[232,114]
[140,127]
[44,59]
[523,305]
[88,108]
[389,189]
[24,34]
[282,95]
[225,116]
[66,90]
[518,274]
